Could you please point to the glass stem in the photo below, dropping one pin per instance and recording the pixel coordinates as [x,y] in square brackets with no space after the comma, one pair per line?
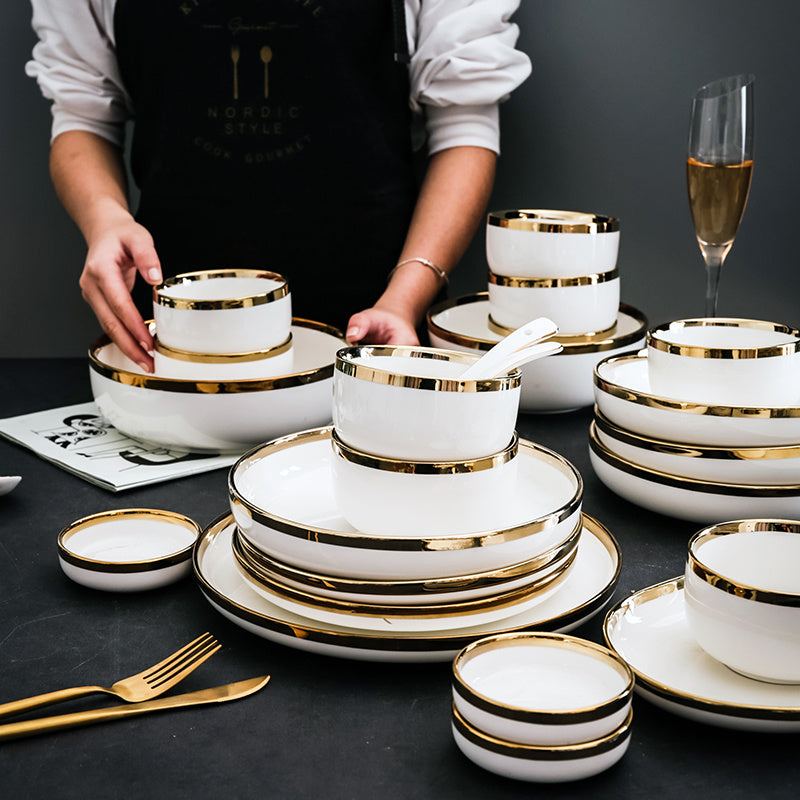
[714,257]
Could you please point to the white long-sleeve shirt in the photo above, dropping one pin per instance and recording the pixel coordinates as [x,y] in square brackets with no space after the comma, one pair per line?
[463,64]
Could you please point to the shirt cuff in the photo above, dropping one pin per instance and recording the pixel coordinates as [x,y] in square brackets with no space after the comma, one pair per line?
[459,126]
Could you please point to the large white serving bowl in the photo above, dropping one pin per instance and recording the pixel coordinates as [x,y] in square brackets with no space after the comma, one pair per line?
[746,465]
[541,688]
[223,311]
[541,243]
[394,497]
[541,763]
[229,416]
[281,495]
[648,629]
[173,363]
[408,403]
[561,382]
[624,396]
[742,590]
[692,499]
[742,362]
[586,304]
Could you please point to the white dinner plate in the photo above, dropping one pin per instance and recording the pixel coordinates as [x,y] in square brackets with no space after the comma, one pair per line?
[8,483]
[649,630]
[692,499]
[588,587]
[557,383]
[624,396]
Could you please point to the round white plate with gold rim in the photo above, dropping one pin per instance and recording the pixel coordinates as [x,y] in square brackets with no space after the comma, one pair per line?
[650,632]
[693,499]
[561,382]
[228,416]
[624,396]
[588,587]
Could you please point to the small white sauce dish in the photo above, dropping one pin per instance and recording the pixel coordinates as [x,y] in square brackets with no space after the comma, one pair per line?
[742,589]
[434,416]
[128,550]
[544,689]
[541,243]
[583,304]
[223,311]
[541,763]
[726,361]
[385,496]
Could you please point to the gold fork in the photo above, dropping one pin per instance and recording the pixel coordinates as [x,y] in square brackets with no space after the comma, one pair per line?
[143,686]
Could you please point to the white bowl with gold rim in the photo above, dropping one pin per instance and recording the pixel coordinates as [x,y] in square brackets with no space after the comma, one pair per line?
[586,303]
[748,465]
[455,588]
[727,361]
[387,496]
[282,497]
[541,688]
[223,311]
[560,382]
[742,590]
[217,415]
[128,550]
[408,403]
[541,763]
[624,395]
[546,243]
[170,362]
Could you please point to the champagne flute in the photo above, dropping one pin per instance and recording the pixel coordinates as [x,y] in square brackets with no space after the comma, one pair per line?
[719,169]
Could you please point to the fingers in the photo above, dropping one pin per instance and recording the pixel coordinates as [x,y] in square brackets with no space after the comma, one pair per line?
[358,327]
[378,326]
[146,259]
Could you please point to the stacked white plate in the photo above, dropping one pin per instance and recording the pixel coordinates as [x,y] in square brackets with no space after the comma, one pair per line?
[691,460]
[287,566]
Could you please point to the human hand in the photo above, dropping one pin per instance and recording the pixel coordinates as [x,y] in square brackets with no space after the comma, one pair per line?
[116,254]
[380,326]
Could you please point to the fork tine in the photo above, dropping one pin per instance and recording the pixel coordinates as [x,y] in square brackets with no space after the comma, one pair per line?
[178,656]
[180,670]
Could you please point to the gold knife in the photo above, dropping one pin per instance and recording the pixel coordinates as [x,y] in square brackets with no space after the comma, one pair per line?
[218,694]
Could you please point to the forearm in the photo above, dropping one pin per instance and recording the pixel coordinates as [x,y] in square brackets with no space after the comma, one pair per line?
[89,177]
[451,205]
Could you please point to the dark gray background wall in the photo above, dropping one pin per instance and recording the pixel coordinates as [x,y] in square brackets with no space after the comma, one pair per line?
[599,126]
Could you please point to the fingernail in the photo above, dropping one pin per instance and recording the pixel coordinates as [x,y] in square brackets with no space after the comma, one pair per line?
[154,275]
[144,367]
[352,333]
[145,346]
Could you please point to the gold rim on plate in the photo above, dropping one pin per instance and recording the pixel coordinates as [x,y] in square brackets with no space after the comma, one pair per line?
[222,358]
[515,281]
[212,305]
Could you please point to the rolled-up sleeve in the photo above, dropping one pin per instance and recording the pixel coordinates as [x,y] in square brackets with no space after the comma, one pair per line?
[464,62]
[75,66]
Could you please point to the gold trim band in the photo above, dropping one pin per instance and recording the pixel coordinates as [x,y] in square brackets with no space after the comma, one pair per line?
[346,364]
[222,358]
[550,221]
[214,305]
[568,716]
[655,340]
[562,338]
[553,283]
[362,459]
[737,588]
[119,567]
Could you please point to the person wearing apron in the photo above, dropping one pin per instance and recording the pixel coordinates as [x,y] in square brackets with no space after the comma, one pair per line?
[274,135]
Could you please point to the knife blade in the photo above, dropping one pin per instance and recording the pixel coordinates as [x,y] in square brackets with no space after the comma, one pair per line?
[216,694]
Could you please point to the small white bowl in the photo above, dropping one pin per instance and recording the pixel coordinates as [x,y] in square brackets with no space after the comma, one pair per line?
[128,550]
[223,311]
[434,415]
[541,763]
[540,243]
[541,688]
[726,361]
[386,497]
[585,304]
[171,362]
[742,588]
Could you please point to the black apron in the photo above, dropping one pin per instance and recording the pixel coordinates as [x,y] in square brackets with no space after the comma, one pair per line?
[272,134]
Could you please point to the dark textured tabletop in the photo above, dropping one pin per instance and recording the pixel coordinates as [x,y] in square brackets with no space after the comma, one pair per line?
[324,727]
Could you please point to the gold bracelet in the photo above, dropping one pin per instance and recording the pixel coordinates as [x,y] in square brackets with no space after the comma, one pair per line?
[437,270]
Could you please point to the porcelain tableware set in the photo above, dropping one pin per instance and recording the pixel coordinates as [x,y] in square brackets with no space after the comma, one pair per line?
[232,367]
[557,264]
[720,437]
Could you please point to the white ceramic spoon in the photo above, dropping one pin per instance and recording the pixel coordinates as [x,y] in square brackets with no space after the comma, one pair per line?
[519,347]
[8,482]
